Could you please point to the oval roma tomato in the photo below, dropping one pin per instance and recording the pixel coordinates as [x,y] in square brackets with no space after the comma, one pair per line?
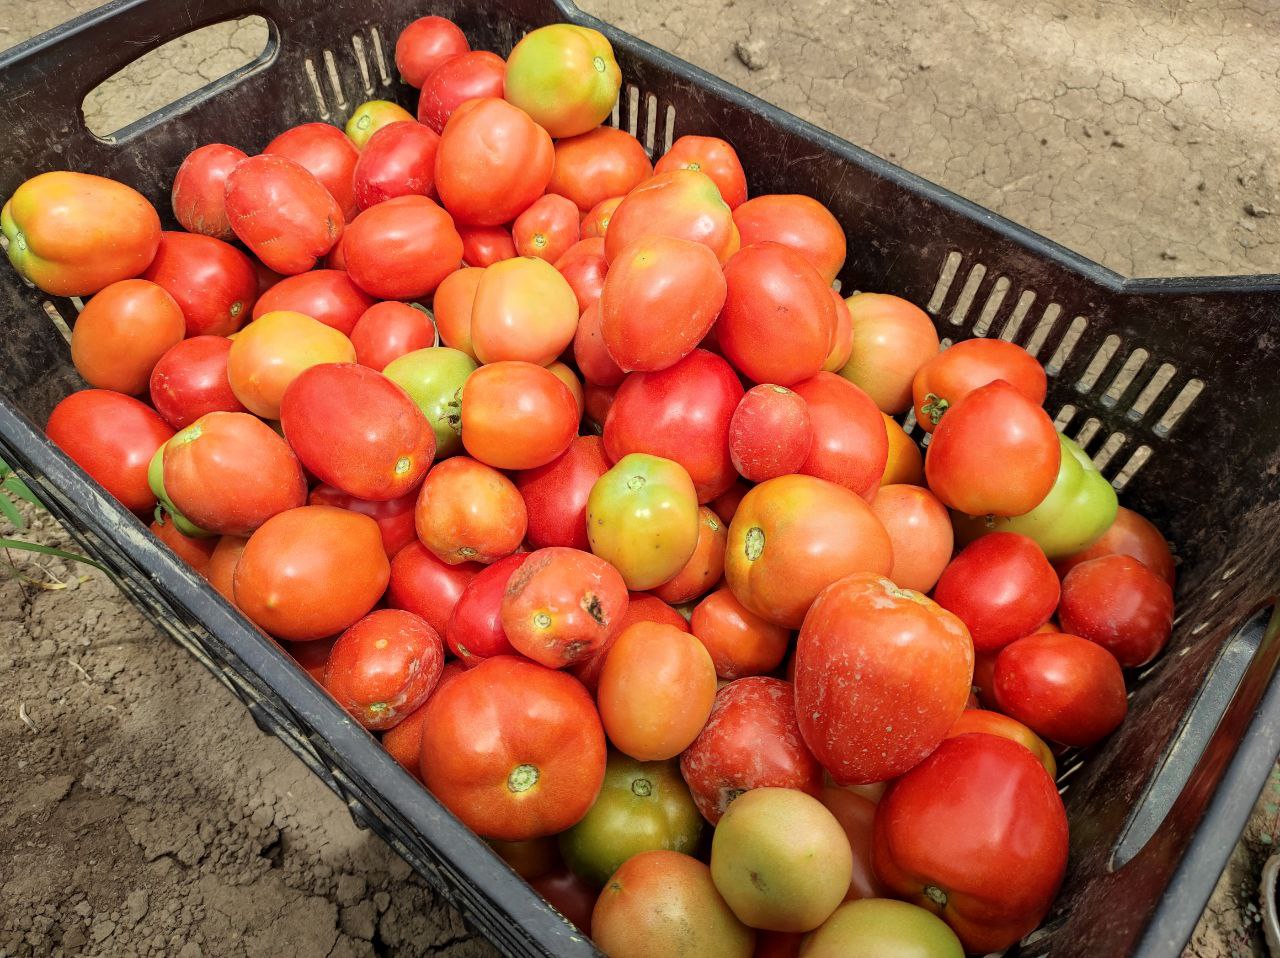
[905,464]
[596,223]
[994,723]
[434,378]
[556,494]
[680,203]
[920,530]
[642,517]
[113,438]
[565,77]
[995,454]
[590,352]
[485,187]
[976,834]
[326,295]
[778,320]
[583,266]
[800,223]
[538,767]
[750,741]
[1119,603]
[770,433]
[212,281]
[402,248]
[968,365]
[517,415]
[282,213]
[357,430]
[547,228]
[123,332]
[452,304]
[398,160]
[704,568]
[469,512]
[384,667]
[869,709]
[712,156]
[892,340]
[1130,534]
[740,642]
[190,380]
[523,310]
[326,153]
[422,584]
[850,445]
[473,74]
[390,330]
[370,117]
[656,691]
[301,553]
[597,165]
[642,607]
[393,516]
[474,631]
[425,44]
[271,352]
[199,193]
[795,535]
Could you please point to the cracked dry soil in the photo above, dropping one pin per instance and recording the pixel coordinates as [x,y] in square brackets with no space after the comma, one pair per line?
[141,811]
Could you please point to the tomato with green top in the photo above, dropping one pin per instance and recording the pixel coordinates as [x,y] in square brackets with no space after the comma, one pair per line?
[565,77]
[155,479]
[433,378]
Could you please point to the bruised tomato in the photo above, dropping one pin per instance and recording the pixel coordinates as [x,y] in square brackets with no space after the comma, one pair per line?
[556,494]
[199,192]
[741,643]
[191,379]
[212,281]
[892,339]
[398,160]
[705,566]
[469,512]
[516,415]
[282,213]
[271,352]
[326,153]
[464,76]
[326,295]
[770,433]
[402,248]
[523,310]
[123,332]
[800,223]
[953,374]
[384,667]
[425,44]
[679,203]
[712,156]
[474,631]
[422,584]
[597,165]
[387,331]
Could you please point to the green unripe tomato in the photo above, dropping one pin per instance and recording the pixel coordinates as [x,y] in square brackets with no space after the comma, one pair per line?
[155,479]
[565,77]
[881,928]
[433,378]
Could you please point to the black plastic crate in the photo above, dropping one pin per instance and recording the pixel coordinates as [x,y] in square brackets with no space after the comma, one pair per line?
[1167,382]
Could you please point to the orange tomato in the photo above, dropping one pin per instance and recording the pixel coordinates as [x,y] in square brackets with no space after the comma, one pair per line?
[595,166]
[705,566]
[469,512]
[905,464]
[993,723]
[517,415]
[919,527]
[122,332]
[741,643]
[270,352]
[524,310]
[454,302]
[798,222]
[680,203]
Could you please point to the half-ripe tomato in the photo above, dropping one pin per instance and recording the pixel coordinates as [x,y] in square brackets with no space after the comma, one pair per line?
[870,709]
[282,213]
[195,551]
[556,494]
[994,723]
[712,156]
[583,266]
[660,297]
[425,44]
[393,516]
[547,228]
[656,691]
[705,566]
[681,413]
[433,378]
[976,834]
[905,463]
[590,352]
[486,245]
[842,343]
[222,566]
[642,607]
[484,186]
[271,352]
[326,153]
[387,331]
[971,364]
[596,222]
[199,192]
[113,438]
[229,472]
[850,445]
[370,117]
[469,75]
[778,321]
[398,160]
[538,766]
[920,529]
[570,378]
[402,248]
[469,512]
[565,77]
[1133,535]
[453,303]
[741,643]
[1119,603]
[892,340]
[307,552]
[562,605]
[422,584]
[474,631]
[384,667]
[595,166]
[326,295]
[191,379]
[123,332]
[517,415]
[750,741]
[798,222]
[679,203]
[792,537]
[212,281]
[523,310]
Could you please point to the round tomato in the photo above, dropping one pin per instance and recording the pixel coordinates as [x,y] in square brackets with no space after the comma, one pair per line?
[199,193]
[546,229]
[583,266]
[590,352]
[993,723]
[393,516]
[680,203]
[326,153]
[434,378]
[486,245]
[705,566]
[892,339]
[920,530]
[271,352]
[469,512]
[740,642]
[603,163]
[856,815]
[425,44]
[850,445]
[1130,534]
[596,223]
[123,332]
[387,331]
[517,415]
[453,302]
[282,213]
[971,364]
[474,631]
[556,494]
[464,76]
[879,927]
[800,223]
[212,281]
[422,584]
[190,380]
[402,248]
[398,160]
[384,667]
[523,310]
[326,295]
[370,117]
[1119,603]
[642,607]
[712,156]
[565,77]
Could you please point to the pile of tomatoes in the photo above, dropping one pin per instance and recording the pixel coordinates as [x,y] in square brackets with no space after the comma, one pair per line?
[574,479]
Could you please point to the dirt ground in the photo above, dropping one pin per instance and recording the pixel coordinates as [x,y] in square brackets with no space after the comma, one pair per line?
[141,811]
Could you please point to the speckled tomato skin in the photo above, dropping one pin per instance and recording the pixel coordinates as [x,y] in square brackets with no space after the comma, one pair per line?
[385,666]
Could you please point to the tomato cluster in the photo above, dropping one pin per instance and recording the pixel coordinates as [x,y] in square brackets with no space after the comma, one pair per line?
[572,477]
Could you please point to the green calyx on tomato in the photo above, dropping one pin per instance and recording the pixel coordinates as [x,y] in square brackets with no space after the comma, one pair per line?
[934,406]
[522,778]
[165,507]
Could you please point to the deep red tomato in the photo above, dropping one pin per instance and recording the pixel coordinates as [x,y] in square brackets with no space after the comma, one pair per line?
[996,453]
[474,631]
[598,165]
[486,245]
[464,76]
[469,512]
[583,266]
[387,331]
[123,332]
[596,223]
[1119,603]
[538,767]
[569,895]
[191,379]
[976,834]
[679,203]
[547,228]
[778,321]
[556,494]
[590,353]
[705,567]
[1002,587]
[517,415]
[712,156]
[200,190]
[402,248]
[968,365]
[870,709]
[524,310]
[393,516]
[453,303]
[398,160]
[326,295]
[1133,535]
[770,433]
[798,222]
[326,153]
[741,643]
[597,400]
[642,607]
[282,213]
[195,551]
[850,445]
[680,413]
[422,584]
[750,741]
[212,281]
[384,667]
[890,340]
[425,44]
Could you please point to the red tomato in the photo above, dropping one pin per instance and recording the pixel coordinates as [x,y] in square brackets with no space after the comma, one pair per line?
[327,154]
[453,303]
[920,529]
[976,834]
[517,415]
[595,166]
[556,494]
[871,709]
[326,295]
[304,553]
[856,815]
[312,657]
[123,332]
[486,245]
[474,630]
[726,505]
[464,76]
[995,454]
[1133,535]
[422,584]
[212,281]
[975,719]
[468,512]
[778,321]
[741,643]
[384,667]
[547,228]
[842,344]
[192,550]
[272,351]
[681,203]
[704,568]
[891,339]
[968,365]
[590,353]
[583,266]
[642,607]
[569,895]
[191,379]
[425,44]
[538,766]
[282,213]
[398,160]
[597,400]
[681,413]
[222,568]
[524,310]
[486,187]
[800,223]
[387,331]
[393,516]
[1002,587]
[659,299]
[712,156]
[850,445]
[1119,603]
[404,742]
[750,741]
[402,248]
[200,190]
[562,605]
[596,223]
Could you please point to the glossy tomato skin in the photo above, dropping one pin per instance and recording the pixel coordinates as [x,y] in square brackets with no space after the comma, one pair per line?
[1129,534]
[301,553]
[487,188]
[516,415]
[597,165]
[422,584]
[891,340]
[326,295]
[393,516]
[741,643]
[425,44]
[712,156]
[273,351]
[770,433]
[850,445]
[584,268]
[282,213]
[1002,587]
[1119,603]
[434,378]
[704,568]
[199,194]
[384,667]
[398,160]
[123,332]
[387,331]
[565,77]
[995,723]
[524,311]
[464,76]
[968,365]
[905,464]
[920,528]
[474,631]
[222,566]
[454,300]
[402,248]
[870,710]
[112,437]
[371,116]
[641,607]
[547,228]
[679,203]
[556,494]
[976,834]
[190,380]
[538,767]
[212,281]
[326,153]
[798,222]
[486,245]
[596,223]
[469,512]
[597,366]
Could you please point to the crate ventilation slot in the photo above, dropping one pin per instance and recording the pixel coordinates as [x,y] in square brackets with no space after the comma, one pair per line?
[970,290]
[360,73]
[331,68]
[995,300]
[362,63]
[313,77]
[639,113]
[59,321]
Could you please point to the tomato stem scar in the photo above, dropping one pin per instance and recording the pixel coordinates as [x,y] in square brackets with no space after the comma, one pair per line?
[754,543]
[522,778]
